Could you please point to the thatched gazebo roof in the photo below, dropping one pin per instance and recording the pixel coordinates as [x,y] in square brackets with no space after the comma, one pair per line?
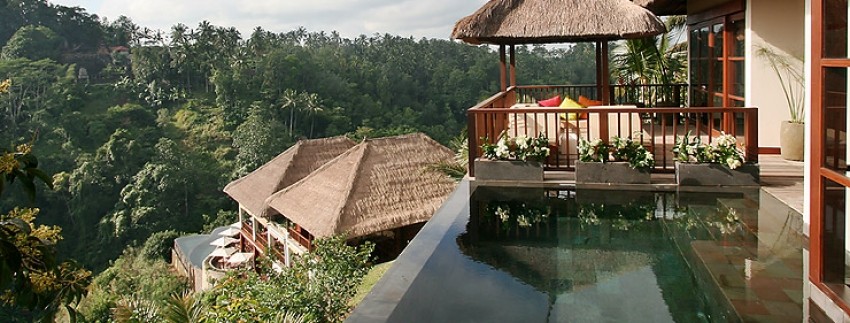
[292,165]
[503,22]
[664,7]
[380,184]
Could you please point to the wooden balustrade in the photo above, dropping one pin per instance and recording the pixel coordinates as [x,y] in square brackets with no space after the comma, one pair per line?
[642,95]
[302,240]
[656,128]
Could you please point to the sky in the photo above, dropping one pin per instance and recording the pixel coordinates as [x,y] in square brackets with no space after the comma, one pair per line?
[351,18]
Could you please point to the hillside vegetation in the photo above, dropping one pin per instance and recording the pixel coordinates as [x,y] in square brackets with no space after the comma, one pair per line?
[141,129]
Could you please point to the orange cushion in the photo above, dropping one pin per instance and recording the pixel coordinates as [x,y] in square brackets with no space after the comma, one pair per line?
[587,102]
[551,102]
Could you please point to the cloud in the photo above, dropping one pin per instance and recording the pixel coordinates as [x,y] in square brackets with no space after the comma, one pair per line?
[351,18]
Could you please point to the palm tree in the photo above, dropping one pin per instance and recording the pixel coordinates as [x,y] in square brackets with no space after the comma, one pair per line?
[654,60]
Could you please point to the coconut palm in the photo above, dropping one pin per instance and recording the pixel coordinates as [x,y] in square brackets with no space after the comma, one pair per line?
[654,60]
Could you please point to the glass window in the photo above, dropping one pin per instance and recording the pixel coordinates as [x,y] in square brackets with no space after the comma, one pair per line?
[737,71]
[835,28]
[835,118]
[736,30]
[717,70]
[834,231]
[717,31]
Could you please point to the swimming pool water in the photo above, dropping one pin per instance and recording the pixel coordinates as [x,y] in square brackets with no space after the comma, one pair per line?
[566,255]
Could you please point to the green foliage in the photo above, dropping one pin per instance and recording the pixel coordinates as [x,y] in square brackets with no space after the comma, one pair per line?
[654,60]
[318,286]
[35,285]
[517,148]
[131,280]
[21,165]
[159,245]
[261,137]
[456,168]
[33,43]
[620,150]
[723,150]
[39,89]
[149,144]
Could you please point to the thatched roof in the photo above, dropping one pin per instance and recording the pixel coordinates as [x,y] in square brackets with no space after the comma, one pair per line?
[556,21]
[664,7]
[378,185]
[292,165]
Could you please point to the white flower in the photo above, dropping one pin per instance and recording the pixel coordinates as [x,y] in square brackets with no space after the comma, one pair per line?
[521,142]
[522,220]
[503,214]
[502,151]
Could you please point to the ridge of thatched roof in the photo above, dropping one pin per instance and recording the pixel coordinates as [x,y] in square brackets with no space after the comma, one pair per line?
[664,7]
[555,21]
[289,167]
[380,184]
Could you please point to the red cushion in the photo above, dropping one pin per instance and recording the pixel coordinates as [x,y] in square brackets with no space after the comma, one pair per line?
[551,102]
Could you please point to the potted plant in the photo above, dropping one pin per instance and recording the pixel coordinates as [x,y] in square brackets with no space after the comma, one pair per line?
[718,163]
[789,70]
[624,161]
[518,158]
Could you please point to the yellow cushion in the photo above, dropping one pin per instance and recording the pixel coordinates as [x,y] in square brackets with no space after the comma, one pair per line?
[570,104]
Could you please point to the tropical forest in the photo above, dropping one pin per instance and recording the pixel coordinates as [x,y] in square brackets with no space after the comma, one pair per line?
[115,139]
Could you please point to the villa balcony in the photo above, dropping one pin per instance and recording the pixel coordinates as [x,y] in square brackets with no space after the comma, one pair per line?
[656,115]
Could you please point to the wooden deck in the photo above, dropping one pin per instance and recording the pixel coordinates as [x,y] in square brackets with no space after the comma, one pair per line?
[783,179]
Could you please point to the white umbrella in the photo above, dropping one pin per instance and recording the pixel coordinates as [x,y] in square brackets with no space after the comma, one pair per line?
[236,225]
[222,252]
[229,232]
[223,241]
[240,257]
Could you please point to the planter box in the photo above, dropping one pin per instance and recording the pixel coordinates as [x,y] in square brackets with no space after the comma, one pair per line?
[713,174]
[515,170]
[610,173]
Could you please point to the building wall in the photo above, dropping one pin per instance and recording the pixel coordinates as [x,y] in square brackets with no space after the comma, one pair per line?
[780,26]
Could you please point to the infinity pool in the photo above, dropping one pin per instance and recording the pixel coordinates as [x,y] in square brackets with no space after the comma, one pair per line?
[566,255]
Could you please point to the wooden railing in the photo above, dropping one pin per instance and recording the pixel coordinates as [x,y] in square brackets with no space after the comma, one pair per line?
[641,95]
[656,128]
[302,240]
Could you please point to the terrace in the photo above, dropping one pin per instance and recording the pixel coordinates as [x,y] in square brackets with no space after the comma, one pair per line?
[654,114]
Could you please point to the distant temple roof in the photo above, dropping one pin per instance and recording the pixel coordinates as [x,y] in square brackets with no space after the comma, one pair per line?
[378,185]
[287,168]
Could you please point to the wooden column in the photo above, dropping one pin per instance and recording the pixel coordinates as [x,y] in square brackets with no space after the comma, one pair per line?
[502,69]
[598,70]
[513,65]
[606,75]
[603,86]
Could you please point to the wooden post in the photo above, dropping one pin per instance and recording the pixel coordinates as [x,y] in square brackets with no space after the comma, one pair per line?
[606,75]
[502,69]
[598,70]
[471,141]
[752,134]
[513,65]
